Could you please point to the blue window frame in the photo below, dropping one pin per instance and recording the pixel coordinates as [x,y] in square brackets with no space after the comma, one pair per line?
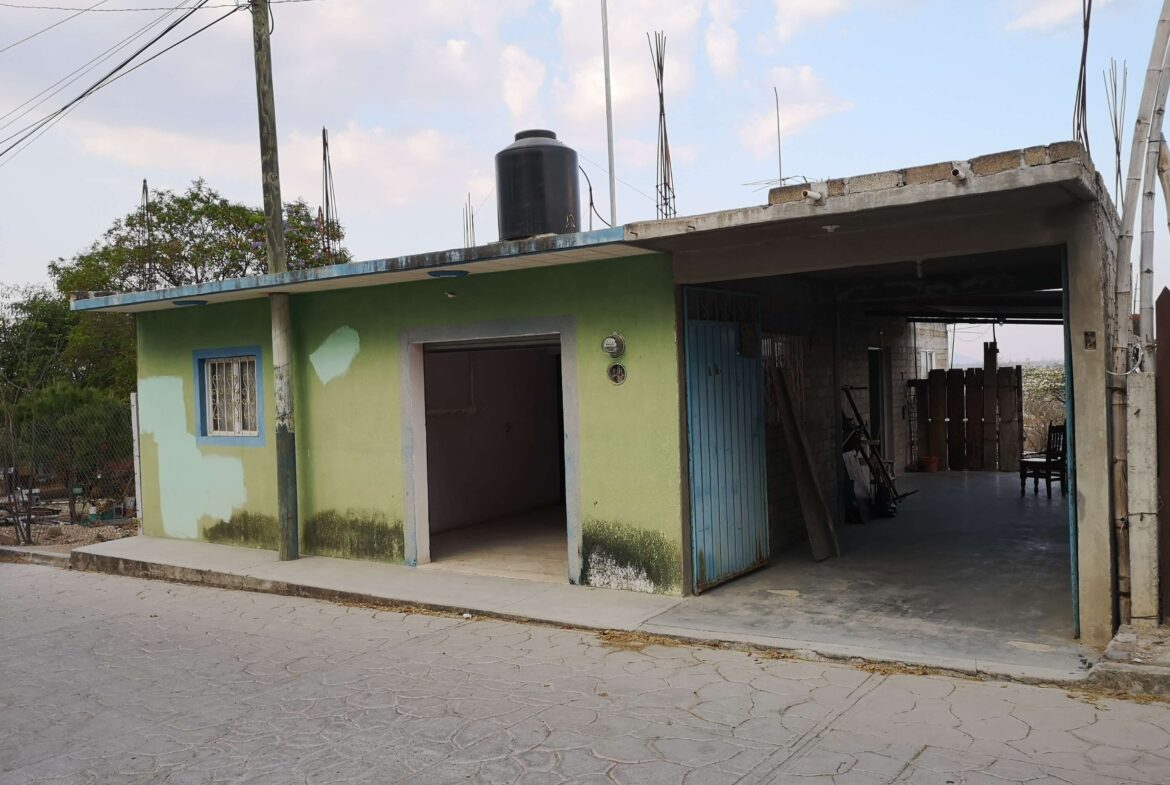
[229,397]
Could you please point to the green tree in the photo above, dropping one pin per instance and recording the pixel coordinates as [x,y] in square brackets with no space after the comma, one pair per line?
[192,237]
[78,437]
[1044,398]
[35,324]
[180,238]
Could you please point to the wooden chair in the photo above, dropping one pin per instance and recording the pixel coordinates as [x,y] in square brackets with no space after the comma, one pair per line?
[1049,465]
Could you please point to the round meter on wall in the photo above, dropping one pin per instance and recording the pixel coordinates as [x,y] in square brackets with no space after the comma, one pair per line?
[614,345]
[617,373]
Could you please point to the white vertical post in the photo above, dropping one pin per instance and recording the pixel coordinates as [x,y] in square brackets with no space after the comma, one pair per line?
[137,460]
[608,114]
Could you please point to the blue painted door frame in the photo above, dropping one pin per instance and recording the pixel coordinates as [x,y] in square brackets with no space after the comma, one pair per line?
[725,435]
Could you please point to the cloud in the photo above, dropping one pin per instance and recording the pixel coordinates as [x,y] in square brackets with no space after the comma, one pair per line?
[155,148]
[523,76]
[581,89]
[793,15]
[1047,14]
[804,99]
[721,39]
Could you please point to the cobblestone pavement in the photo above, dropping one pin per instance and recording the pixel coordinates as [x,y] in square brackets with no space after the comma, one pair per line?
[109,680]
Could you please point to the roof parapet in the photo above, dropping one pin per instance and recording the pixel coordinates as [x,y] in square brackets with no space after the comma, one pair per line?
[958,172]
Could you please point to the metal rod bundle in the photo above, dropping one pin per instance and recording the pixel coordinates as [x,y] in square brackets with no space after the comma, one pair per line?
[664,174]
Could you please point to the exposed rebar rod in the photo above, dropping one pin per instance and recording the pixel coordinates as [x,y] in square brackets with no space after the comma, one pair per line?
[664,171]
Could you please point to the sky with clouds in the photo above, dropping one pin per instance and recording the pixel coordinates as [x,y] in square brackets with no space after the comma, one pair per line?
[418,97]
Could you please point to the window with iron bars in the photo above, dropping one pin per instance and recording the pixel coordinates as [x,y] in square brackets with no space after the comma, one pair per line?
[230,395]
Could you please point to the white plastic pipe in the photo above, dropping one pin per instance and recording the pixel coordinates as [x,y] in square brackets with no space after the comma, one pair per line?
[1146,249]
[812,196]
[1123,306]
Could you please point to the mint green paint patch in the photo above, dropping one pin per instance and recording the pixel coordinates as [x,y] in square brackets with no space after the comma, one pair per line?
[333,357]
[191,485]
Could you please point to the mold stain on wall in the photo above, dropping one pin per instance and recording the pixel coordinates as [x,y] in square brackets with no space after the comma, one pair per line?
[252,529]
[622,557]
[335,354]
[354,534]
[192,486]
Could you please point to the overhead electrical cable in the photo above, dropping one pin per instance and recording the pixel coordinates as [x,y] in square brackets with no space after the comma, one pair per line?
[58,23]
[37,124]
[78,72]
[28,7]
[112,76]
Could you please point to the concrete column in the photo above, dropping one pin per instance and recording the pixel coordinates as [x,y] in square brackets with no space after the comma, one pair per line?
[1090,255]
[1142,447]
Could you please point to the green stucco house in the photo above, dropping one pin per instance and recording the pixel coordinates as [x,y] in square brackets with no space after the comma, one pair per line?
[599,407]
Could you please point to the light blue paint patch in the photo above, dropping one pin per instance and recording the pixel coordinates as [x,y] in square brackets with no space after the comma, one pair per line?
[333,357]
[191,485]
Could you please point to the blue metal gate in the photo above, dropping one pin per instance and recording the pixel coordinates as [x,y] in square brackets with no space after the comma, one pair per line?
[725,433]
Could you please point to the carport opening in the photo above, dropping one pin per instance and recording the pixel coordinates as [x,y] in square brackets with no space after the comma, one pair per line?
[495,458]
[967,565]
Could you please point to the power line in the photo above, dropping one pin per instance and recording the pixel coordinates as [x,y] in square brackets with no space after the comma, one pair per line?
[46,123]
[77,73]
[44,30]
[633,188]
[37,124]
[27,7]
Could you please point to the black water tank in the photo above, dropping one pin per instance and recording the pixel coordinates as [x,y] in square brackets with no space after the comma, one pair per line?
[537,190]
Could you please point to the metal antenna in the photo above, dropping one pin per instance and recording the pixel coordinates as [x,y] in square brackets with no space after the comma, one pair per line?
[665,205]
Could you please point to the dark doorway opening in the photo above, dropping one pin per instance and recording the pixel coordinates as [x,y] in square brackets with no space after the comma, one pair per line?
[495,459]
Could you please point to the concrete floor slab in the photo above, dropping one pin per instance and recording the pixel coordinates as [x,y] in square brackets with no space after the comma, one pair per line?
[969,577]
[530,545]
[969,571]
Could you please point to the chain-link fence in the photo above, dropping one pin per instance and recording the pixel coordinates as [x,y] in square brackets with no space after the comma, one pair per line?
[67,459]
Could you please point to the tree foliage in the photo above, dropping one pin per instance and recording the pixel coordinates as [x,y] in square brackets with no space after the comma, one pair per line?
[34,331]
[66,377]
[1044,399]
[189,238]
[75,437]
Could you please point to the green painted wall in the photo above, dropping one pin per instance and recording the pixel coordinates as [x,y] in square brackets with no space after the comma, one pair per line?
[348,416]
[190,489]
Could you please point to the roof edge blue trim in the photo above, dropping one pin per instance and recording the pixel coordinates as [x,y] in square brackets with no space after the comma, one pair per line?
[424,261]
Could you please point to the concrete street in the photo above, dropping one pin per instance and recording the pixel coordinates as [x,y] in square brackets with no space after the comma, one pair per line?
[110,679]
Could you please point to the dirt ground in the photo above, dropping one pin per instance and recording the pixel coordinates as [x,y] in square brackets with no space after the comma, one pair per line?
[68,535]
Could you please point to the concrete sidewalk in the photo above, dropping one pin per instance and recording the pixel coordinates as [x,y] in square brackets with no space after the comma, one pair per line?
[691,619]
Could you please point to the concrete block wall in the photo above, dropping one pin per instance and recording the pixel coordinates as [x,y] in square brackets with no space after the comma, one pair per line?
[805,310]
[902,342]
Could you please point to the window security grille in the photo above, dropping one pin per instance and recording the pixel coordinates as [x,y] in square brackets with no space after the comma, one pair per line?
[231,396]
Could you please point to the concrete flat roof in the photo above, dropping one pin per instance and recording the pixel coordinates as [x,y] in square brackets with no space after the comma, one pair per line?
[1049,175]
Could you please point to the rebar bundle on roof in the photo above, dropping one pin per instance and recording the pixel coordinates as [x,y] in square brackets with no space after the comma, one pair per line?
[664,203]
[327,213]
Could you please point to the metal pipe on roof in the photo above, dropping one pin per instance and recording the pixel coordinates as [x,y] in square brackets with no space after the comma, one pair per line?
[609,114]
